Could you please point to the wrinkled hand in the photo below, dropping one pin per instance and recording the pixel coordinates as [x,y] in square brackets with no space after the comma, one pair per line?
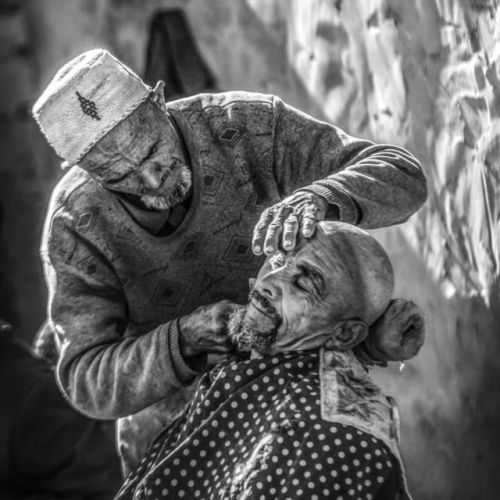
[204,331]
[398,334]
[282,222]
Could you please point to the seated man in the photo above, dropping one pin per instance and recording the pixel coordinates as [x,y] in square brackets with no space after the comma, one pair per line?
[296,414]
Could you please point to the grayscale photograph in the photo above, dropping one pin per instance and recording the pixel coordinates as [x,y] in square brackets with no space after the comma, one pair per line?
[249,250]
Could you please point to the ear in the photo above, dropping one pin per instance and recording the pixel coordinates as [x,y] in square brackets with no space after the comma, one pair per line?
[347,334]
[158,96]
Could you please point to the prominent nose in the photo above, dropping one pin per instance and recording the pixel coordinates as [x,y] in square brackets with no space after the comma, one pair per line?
[151,175]
[268,285]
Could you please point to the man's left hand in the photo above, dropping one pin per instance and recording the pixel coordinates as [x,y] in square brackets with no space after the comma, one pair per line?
[284,221]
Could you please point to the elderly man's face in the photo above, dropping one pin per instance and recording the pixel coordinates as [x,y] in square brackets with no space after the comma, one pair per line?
[142,156]
[297,298]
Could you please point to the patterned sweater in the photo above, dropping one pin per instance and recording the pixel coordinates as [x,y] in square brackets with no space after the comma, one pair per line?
[116,288]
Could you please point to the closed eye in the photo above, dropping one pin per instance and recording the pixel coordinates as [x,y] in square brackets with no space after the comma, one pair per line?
[118,179]
[309,281]
[151,152]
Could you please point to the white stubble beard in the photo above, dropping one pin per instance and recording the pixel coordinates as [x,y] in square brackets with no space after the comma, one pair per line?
[177,196]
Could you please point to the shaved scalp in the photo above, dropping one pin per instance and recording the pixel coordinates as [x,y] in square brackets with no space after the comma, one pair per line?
[364,262]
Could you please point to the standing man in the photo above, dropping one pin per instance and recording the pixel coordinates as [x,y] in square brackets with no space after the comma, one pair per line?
[153,221]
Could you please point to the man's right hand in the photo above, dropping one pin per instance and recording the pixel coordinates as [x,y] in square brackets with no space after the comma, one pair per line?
[205,329]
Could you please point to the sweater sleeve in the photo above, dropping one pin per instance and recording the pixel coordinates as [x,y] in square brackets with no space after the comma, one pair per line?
[371,185]
[103,372]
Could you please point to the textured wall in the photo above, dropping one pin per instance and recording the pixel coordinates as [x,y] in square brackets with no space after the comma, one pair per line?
[421,73]
[425,74]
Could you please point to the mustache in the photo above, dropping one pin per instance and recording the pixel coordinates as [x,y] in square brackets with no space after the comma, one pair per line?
[265,304]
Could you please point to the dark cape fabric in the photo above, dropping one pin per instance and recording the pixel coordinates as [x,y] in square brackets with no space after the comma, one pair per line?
[48,451]
[254,430]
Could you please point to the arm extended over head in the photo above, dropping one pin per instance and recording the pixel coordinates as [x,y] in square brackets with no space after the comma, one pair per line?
[372,185]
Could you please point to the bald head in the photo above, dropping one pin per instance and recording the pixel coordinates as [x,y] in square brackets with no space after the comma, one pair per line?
[326,291]
[362,265]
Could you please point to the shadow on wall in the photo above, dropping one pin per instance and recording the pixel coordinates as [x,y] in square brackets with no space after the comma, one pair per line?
[173,57]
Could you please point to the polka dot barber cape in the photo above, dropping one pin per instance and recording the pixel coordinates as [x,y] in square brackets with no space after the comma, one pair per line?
[254,431]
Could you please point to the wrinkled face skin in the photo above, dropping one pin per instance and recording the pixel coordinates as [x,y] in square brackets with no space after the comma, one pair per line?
[142,156]
[297,297]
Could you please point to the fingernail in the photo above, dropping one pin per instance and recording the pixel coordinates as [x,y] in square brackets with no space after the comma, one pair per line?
[269,249]
[257,248]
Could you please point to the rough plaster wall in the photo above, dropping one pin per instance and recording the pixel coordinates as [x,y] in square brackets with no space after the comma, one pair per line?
[421,73]
[425,74]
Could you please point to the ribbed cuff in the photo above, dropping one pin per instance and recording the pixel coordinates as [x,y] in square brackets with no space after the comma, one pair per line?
[184,373]
[335,194]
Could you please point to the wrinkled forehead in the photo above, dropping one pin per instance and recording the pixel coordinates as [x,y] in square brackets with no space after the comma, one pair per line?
[330,255]
[136,129]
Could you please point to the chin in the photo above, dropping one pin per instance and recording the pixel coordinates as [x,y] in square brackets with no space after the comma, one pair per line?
[247,337]
[155,202]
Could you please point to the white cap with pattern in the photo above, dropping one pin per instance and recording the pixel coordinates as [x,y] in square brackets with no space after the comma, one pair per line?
[86,98]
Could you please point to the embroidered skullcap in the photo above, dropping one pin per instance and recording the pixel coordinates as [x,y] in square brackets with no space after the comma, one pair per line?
[364,267]
[86,98]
